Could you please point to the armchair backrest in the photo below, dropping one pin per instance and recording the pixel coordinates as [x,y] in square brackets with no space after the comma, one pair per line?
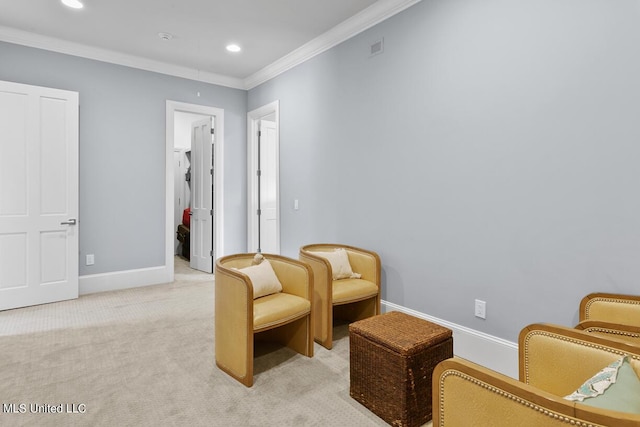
[613,308]
[559,359]
[296,277]
[364,262]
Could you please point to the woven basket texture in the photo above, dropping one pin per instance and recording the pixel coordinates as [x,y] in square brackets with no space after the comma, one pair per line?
[392,357]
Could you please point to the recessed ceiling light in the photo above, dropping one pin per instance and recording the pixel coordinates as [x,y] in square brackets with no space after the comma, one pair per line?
[73,3]
[233,48]
[165,36]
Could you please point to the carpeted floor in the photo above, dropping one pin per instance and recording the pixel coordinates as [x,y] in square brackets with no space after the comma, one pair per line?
[145,357]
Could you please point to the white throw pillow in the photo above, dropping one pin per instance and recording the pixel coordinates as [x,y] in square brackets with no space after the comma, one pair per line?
[339,260]
[615,387]
[263,278]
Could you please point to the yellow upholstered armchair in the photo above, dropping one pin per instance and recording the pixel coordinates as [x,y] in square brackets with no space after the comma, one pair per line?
[615,316]
[348,291]
[553,362]
[611,330]
[612,308]
[282,315]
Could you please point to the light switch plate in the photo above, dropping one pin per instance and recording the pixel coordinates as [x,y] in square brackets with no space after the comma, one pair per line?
[481,309]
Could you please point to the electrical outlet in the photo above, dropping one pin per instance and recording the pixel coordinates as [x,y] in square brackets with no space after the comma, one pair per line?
[481,309]
[91,259]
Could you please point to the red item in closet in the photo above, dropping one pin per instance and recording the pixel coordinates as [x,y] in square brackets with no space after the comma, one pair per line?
[186,217]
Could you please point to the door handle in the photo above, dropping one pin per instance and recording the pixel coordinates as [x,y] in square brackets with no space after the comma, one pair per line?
[72,221]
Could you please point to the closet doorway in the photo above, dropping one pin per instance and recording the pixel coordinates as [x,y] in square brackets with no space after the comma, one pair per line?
[194,182]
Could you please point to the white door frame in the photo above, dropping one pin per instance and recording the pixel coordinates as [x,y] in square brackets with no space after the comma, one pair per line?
[253,119]
[218,174]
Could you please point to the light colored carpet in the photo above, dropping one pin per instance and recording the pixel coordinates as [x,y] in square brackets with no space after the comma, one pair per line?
[145,357]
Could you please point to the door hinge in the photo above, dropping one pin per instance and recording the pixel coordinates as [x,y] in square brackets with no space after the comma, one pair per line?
[258,172]
[211,212]
[211,171]
[259,212]
[213,131]
[259,134]
[210,253]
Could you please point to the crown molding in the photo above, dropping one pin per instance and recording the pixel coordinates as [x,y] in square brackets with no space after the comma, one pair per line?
[12,35]
[374,14]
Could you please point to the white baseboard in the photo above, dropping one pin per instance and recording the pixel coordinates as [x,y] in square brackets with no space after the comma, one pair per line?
[124,279]
[489,351]
[478,347]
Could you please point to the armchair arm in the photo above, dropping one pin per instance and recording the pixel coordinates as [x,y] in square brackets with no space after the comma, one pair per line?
[322,288]
[614,308]
[608,330]
[467,394]
[321,271]
[322,282]
[234,304]
[233,295]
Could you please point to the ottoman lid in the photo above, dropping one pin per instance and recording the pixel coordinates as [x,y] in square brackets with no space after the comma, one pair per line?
[401,332]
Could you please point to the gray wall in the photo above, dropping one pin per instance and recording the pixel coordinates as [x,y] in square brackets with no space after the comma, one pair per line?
[490,152]
[122,152]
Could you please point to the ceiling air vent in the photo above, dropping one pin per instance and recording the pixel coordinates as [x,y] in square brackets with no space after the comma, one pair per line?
[376,47]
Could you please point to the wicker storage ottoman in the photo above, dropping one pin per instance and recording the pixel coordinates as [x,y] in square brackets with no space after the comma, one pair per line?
[392,357]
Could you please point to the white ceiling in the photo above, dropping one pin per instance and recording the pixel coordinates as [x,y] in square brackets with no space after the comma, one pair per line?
[274,34]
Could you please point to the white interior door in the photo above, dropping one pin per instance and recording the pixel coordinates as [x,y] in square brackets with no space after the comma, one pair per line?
[268,188]
[38,195]
[263,187]
[201,232]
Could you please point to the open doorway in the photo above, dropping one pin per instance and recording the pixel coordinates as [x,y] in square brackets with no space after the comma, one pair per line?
[263,166]
[193,189]
[182,191]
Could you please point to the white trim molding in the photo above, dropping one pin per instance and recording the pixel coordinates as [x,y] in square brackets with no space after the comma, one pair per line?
[478,347]
[374,14]
[367,18]
[25,38]
[118,280]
